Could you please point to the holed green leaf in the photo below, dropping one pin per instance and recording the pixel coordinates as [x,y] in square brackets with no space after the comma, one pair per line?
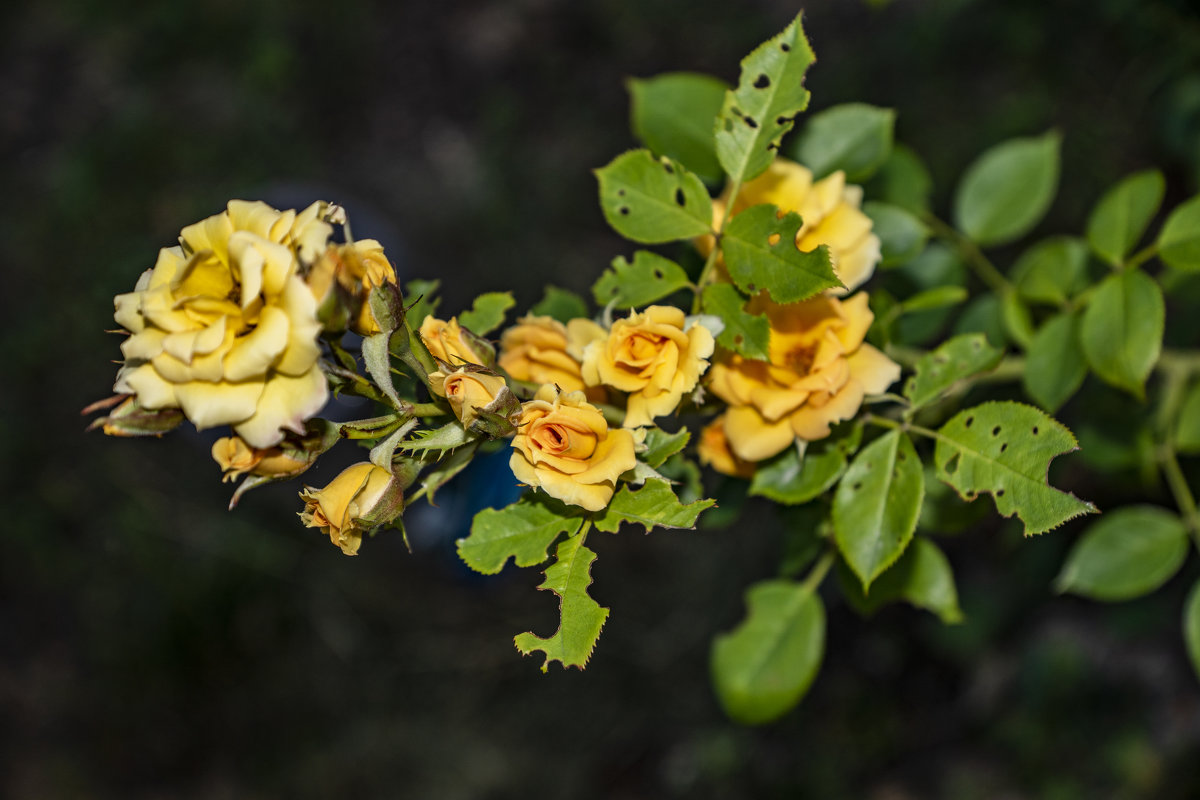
[650,277]
[673,115]
[744,333]
[1179,239]
[487,313]
[1122,329]
[876,505]
[922,577]
[653,200]
[770,93]
[581,617]
[521,531]
[939,371]
[763,667]
[1120,218]
[854,137]
[1054,363]
[1052,270]
[1125,554]
[653,505]
[1008,189]
[561,304]
[760,253]
[1005,448]
[902,234]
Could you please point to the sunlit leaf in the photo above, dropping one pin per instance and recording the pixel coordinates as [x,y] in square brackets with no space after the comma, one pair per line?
[487,313]
[1054,363]
[521,531]
[1122,329]
[1179,239]
[1120,218]
[673,115]
[648,278]
[922,577]
[744,333]
[940,371]
[652,200]
[1008,189]
[581,617]
[854,137]
[760,253]
[1125,554]
[653,505]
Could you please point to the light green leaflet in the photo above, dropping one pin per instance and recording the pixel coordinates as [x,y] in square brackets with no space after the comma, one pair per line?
[1052,270]
[1008,189]
[653,201]
[661,445]
[1054,363]
[922,577]
[744,333]
[770,94]
[877,503]
[760,253]
[487,313]
[1179,239]
[581,617]
[1121,216]
[673,115]
[763,667]
[854,137]
[939,371]
[1125,554]
[521,531]
[1005,448]
[653,505]
[560,304]
[1122,330]
[630,285]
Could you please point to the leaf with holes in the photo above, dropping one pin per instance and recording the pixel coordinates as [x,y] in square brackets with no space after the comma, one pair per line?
[561,304]
[1008,189]
[1122,330]
[1121,216]
[854,137]
[792,478]
[1054,363]
[653,506]
[661,445]
[763,668]
[939,371]
[653,201]
[760,253]
[650,277]
[673,115]
[521,531]
[876,505]
[487,313]
[744,333]
[580,617]
[770,94]
[1125,554]
[922,577]
[902,235]
[1052,270]
[1005,448]
[1179,239]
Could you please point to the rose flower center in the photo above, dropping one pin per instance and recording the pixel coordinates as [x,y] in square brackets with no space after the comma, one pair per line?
[556,439]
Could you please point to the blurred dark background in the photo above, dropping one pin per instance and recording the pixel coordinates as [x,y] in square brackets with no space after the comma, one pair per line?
[154,645]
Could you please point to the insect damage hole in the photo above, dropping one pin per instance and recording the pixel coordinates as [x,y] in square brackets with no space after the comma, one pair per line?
[680,200]
[996,431]
[623,211]
[968,422]
[749,120]
[773,239]
[762,82]
[785,47]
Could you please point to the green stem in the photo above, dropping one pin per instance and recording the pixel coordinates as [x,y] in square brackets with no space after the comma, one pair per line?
[970,253]
[1181,491]
[710,264]
[907,427]
[429,410]
[1142,256]
[819,571]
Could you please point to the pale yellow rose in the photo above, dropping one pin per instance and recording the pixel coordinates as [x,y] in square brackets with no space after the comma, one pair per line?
[236,458]
[714,451]
[343,509]
[468,390]
[224,327]
[565,448]
[356,269]
[819,372]
[829,208]
[651,356]
[449,342]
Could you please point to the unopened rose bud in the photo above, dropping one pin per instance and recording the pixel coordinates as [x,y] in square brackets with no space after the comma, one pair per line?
[450,342]
[362,497]
[236,458]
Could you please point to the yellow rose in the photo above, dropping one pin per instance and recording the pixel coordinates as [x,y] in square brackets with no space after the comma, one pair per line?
[535,351]
[469,390]
[224,327]
[350,504]
[651,356]
[452,343]
[820,369]
[713,450]
[355,269]
[565,448]
[831,214]
[236,458]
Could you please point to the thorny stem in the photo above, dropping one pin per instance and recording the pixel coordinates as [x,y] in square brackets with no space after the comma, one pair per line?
[971,253]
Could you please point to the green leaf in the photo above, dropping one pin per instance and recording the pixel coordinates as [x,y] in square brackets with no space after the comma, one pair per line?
[654,505]
[650,277]
[487,313]
[653,201]
[1191,627]
[560,304]
[1008,189]
[1120,218]
[378,362]
[932,299]
[793,477]
[439,440]
[581,617]
[855,138]
[1122,330]
[687,477]
[770,93]
[922,577]
[673,115]
[521,531]
[420,295]
[1179,239]
[902,235]
[744,333]
[876,505]
[983,315]
[903,181]
[445,470]
[1125,554]
[939,371]
[1187,430]
[1017,319]
[661,445]
[1054,363]
[1052,270]
[1006,448]
[763,667]
[760,253]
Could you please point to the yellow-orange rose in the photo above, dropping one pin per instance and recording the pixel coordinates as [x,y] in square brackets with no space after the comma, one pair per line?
[356,268]
[224,327]
[651,356]
[713,450]
[831,214]
[820,369]
[236,458]
[535,351]
[346,507]
[565,448]
[449,342]
[468,390]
